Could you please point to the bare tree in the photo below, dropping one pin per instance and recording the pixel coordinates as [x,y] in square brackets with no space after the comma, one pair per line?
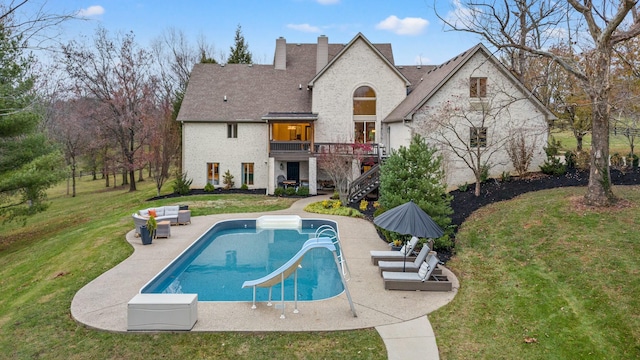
[593,30]
[117,73]
[341,162]
[71,127]
[475,130]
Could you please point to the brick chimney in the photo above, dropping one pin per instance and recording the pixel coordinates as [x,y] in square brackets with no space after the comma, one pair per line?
[322,54]
[280,60]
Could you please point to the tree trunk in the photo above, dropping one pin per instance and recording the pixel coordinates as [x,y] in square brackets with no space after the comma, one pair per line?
[132,180]
[599,191]
[477,190]
[579,143]
[73,177]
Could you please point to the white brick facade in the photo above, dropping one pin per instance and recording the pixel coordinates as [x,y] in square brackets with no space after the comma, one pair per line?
[333,92]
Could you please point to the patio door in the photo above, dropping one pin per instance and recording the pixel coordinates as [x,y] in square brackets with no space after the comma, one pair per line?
[293,171]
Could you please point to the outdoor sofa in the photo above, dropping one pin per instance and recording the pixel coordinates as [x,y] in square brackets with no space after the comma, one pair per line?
[170,213]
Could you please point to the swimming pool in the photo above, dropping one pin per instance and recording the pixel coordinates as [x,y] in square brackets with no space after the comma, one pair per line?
[231,252]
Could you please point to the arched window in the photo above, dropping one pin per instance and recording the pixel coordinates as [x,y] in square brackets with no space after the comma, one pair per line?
[364,114]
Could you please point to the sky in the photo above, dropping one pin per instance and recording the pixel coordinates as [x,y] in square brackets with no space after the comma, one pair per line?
[411,26]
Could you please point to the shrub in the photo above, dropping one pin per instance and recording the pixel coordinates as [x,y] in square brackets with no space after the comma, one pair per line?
[227,180]
[553,166]
[290,191]
[182,185]
[616,160]
[244,187]
[364,204]
[303,191]
[553,148]
[278,191]
[484,172]
[379,210]
[336,204]
[506,177]
[209,187]
[402,179]
[570,159]
[464,187]
[335,195]
[520,154]
[442,243]
[326,204]
[583,160]
[376,205]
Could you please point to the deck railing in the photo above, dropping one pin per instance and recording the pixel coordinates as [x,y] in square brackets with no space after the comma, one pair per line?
[288,147]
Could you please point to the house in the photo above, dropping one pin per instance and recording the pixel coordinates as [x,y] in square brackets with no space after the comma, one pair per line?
[266,124]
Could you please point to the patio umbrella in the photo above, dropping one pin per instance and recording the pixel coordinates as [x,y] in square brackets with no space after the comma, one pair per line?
[409,219]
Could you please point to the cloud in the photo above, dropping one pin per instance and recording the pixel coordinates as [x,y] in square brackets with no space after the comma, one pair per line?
[92,10]
[304,28]
[327,2]
[406,26]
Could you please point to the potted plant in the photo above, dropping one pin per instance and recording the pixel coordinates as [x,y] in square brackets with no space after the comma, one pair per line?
[148,231]
[396,245]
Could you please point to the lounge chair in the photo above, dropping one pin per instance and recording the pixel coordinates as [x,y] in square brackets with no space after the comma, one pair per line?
[405,253]
[406,266]
[423,280]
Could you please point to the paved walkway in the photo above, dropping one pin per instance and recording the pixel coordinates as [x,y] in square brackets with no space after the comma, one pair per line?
[400,317]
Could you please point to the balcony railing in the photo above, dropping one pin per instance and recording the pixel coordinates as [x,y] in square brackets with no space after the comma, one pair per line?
[289,147]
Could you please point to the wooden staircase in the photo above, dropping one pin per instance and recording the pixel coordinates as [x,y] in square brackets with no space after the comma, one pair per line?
[364,185]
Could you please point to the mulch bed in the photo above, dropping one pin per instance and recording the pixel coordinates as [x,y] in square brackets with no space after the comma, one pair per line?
[465,203]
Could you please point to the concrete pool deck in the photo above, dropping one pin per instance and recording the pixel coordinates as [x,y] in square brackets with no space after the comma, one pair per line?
[400,317]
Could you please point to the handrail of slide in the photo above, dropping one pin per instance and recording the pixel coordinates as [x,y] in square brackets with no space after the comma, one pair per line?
[291,265]
[330,232]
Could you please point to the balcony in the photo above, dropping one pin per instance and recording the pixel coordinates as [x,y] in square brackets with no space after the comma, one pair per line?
[301,150]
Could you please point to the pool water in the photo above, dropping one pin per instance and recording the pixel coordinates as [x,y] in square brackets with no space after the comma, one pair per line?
[232,252]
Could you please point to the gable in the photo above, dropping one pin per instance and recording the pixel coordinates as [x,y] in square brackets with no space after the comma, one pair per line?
[436,78]
[358,41]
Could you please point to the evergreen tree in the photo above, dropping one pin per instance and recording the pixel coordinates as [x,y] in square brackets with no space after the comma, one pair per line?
[29,163]
[240,52]
[416,173]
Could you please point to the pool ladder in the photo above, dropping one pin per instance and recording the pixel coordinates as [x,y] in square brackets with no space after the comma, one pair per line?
[329,232]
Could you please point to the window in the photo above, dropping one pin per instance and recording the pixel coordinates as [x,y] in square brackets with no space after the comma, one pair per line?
[365,132]
[213,173]
[478,137]
[232,131]
[364,101]
[247,173]
[364,114]
[478,87]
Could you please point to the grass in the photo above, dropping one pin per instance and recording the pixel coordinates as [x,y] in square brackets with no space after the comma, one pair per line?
[43,265]
[549,279]
[617,143]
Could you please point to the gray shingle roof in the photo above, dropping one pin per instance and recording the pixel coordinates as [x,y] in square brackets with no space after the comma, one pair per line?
[252,91]
[432,80]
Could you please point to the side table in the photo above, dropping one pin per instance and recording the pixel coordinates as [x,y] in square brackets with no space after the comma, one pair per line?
[163,229]
[184,217]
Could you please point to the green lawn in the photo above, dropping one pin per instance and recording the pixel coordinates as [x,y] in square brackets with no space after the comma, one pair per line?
[547,279]
[43,264]
[617,143]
